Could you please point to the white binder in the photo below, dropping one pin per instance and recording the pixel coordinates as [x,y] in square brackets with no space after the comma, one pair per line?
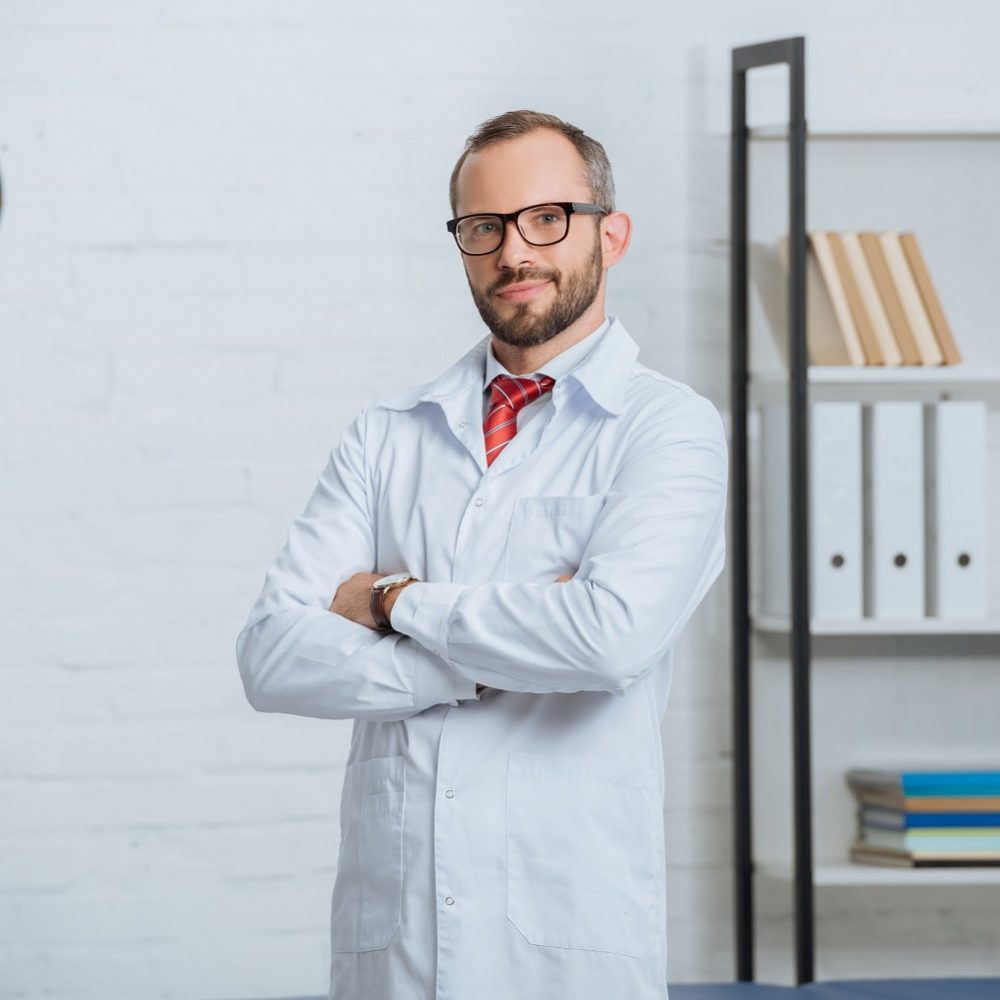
[835,474]
[956,509]
[894,510]
[835,554]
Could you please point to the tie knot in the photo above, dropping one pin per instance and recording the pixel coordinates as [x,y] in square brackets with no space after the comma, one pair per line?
[515,392]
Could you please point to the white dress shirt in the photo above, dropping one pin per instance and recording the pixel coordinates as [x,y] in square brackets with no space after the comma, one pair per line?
[507,846]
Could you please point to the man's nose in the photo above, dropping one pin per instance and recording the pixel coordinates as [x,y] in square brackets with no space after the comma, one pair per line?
[515,251]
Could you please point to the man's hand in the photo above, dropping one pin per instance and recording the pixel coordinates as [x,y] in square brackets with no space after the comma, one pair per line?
[354,596]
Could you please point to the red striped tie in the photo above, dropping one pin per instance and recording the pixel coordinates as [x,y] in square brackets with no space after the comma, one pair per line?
[507,395]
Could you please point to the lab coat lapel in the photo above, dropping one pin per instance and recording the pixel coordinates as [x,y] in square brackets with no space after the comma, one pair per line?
[458,391]
[463,413]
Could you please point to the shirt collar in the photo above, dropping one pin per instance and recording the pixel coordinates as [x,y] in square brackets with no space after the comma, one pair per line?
[603,371]
[563,363]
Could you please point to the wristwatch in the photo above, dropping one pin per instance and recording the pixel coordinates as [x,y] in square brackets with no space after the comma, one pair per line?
[380,588]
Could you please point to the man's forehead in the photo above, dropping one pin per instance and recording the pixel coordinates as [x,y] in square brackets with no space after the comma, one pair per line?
[542,165]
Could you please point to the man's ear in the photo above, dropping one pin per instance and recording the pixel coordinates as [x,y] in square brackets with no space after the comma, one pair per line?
[616,232]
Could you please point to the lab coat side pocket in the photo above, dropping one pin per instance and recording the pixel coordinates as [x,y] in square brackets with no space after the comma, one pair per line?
[367,903]
[583,860]
[548,536]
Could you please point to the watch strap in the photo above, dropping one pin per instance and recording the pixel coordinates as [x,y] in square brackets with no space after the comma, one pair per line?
[382,622]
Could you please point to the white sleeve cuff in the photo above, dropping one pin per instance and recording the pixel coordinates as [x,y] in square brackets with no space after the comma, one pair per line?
[434,681]
[421,611]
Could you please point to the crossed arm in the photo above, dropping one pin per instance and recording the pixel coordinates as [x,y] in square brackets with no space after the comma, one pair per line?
[656,547]
[353,600]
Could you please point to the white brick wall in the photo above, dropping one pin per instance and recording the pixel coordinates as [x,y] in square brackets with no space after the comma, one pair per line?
[195,297]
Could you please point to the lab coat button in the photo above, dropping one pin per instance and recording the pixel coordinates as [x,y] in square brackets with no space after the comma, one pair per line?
[463,424]
[449,900]
[450,794]
[479,501]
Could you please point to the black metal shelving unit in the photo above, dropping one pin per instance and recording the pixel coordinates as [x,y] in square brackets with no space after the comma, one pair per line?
[790,52]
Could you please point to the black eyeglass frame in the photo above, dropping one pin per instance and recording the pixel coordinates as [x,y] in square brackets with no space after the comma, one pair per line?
[569,207]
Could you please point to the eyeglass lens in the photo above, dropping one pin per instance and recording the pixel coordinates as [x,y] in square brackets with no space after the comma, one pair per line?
[540,226]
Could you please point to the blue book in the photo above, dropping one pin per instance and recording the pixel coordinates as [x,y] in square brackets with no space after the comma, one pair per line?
[896,819]
[966,782]
[950,839]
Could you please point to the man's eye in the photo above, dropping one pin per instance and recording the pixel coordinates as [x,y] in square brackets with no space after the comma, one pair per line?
[546,220]
[484,229]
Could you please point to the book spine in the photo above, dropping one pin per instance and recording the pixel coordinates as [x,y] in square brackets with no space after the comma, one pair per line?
[890,299]
[828,269]
[920,840]
[909,297]
[891,819]
[951,783]
[859,313]
[935,312]
[872,301]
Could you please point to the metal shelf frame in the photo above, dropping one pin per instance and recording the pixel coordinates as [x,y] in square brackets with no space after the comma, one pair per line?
[790,52]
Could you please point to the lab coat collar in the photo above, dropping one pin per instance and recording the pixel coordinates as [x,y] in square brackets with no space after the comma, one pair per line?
[603,373]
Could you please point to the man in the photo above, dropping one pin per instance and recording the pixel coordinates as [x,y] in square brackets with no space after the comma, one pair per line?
[541,521]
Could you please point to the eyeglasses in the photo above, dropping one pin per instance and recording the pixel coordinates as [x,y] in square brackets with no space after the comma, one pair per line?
[539,225]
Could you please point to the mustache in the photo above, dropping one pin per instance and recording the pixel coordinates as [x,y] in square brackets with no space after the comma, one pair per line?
[519,277]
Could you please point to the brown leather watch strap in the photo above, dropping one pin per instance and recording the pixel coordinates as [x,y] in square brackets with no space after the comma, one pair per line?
[377,605]
[382,622]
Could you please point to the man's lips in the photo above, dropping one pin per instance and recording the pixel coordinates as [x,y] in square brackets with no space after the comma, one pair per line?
[525,290]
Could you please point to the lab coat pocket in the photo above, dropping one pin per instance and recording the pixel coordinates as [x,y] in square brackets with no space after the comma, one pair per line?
[548,536]
[368,891]
[584,852]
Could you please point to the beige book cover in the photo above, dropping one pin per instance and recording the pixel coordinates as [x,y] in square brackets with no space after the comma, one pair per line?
[909,296]
[922,276]
[827,281]
[858,263]
[830,333]
[929,803]
[890,299]
[869,342]
[866,854]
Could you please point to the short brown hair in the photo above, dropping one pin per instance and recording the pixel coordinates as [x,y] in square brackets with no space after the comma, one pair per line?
[512,124]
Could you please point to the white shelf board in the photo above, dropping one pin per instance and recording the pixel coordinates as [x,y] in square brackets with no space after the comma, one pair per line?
[871,626]
[884,130]
[873,382]
[943,375]
[849,874]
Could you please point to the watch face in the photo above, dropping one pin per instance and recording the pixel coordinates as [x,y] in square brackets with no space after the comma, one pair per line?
[394,578]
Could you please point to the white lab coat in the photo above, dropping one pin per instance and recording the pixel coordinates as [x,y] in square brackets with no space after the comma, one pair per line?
[507,846]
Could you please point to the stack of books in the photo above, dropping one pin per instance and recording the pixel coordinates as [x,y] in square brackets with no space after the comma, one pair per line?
[924,818]
[870,301]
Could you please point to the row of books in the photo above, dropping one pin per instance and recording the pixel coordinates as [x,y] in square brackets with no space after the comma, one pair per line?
[926,818]
[899,497]
[870,300]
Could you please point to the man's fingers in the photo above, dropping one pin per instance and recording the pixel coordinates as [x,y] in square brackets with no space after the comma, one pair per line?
[564,578]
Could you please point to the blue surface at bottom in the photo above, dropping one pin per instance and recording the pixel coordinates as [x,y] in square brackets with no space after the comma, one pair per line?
[903,989]
[731,991]
[846,989]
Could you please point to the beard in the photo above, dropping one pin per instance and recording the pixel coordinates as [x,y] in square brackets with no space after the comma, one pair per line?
[574,294]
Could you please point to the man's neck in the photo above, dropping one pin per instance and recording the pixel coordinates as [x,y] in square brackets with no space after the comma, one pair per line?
[524,360]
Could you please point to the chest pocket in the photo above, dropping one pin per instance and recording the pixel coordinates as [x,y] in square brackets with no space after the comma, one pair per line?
[368,891]
[548,536]
[584,852]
